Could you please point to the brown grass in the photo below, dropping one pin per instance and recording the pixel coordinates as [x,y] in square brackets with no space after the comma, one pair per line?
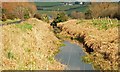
[101,41]
[30,49]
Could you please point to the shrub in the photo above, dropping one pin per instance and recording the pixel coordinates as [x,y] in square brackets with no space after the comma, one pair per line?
[88,15]
[22,10]
[61,17]
[77,15]
[42,17]
[37,15]
[104,9]
[45,18]
[4,17]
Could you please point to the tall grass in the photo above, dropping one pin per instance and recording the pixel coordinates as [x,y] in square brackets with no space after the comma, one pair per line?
[104,23]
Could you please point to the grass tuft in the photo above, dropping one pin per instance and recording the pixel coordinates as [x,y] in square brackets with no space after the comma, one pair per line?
[10,55]
[25,26]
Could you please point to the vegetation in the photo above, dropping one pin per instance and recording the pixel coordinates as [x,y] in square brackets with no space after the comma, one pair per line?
[104,9]
[77,15]
[31,45]
[10,55]
[46,3]
[49,7]
[61,17]
[101,45]
[9,21]
[105,23]
[21,10]
[87,59]
[45,18]
[25,26]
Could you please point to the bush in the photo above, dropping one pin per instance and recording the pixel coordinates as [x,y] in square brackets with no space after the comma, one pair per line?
[88,15]
[61,17]
[45,18]
[77,15]
[102,9]
[37,15]
[4,17]
[42,17]
[22,10]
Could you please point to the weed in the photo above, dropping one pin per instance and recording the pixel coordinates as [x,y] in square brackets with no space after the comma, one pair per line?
[62,44]
[87,59]
[51,59]
[56,52]
[10,55]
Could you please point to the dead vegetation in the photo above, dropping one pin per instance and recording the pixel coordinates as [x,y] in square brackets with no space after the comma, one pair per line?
[29,45]
[103,42]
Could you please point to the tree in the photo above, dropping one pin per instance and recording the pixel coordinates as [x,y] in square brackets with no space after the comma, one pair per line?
[19,9]
[97,9]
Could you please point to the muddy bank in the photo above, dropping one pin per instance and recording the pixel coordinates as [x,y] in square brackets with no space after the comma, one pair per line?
[29,45]
[101,45]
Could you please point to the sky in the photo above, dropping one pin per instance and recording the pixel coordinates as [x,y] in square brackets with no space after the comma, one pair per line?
[59,0]
[76,0]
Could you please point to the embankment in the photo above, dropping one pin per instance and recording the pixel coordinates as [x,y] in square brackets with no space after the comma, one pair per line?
[101,45]
[29,45]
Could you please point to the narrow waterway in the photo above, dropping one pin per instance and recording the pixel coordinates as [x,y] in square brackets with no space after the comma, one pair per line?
[71,55]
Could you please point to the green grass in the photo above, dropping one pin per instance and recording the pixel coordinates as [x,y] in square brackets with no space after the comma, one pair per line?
[63,7]
[25,26]
[9,21]
[10,55]
[80,9]
[105,23]
[62,44]
[87,59]
[50,59]
[60,8]
[46,3]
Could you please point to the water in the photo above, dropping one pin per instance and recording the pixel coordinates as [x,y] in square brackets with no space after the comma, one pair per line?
[71,55]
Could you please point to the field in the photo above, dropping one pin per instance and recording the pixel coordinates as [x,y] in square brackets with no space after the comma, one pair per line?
[47,7]
[46,3]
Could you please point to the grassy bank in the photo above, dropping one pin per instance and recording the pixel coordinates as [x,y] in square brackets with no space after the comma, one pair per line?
[29,45]
[101,41]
